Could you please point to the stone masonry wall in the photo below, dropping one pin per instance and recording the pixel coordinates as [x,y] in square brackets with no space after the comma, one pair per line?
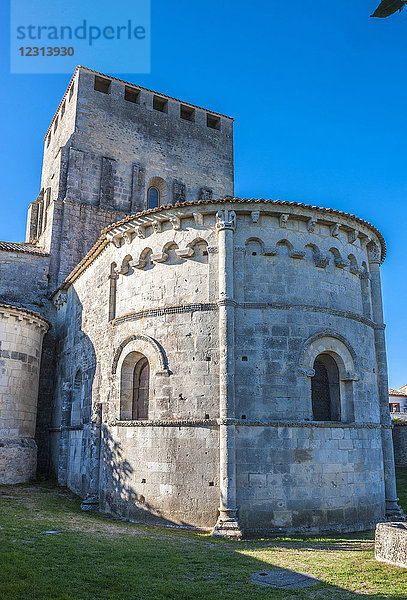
[21,334]
[301,287]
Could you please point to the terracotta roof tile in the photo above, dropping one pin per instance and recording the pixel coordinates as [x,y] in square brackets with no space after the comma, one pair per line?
[22,247]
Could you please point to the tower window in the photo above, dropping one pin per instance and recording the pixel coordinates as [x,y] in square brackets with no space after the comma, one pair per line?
[212,121]
[62,110]
[325,389]
[160,104]
[71,92]
[187,113]
[49,139]
[153,197]
[55,124]
[102,85]
[131,95]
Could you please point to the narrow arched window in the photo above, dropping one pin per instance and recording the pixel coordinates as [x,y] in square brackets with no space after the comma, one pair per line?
[112,291]
[76,409]
[153,197]
[135,387]
[141,385]
[325,389]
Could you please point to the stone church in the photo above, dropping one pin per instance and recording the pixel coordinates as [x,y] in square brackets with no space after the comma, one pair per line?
[174,354]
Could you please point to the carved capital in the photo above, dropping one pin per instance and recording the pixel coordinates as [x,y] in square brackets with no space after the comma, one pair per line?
[374,254]
[226,219]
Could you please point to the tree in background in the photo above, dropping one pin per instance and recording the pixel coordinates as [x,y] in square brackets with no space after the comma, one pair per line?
[388,7]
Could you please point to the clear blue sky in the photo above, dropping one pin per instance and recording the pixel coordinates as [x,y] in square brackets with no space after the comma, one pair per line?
[318,91]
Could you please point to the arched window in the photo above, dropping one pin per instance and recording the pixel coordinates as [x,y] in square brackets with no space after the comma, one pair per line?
[141,385]
[135,387]
[153,197]
[76,410]
[325,389]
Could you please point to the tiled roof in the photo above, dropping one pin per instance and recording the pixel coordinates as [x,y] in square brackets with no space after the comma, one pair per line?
[22,247]
[396,393]
[20,308]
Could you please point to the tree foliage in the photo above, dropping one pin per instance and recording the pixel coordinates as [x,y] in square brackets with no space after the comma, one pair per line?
[388,7]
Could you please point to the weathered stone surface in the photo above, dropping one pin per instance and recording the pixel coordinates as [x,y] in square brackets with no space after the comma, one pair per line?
[391,543]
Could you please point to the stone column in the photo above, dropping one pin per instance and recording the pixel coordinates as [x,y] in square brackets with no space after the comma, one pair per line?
[91,502]
[227,524]
[66,403]
[393,511]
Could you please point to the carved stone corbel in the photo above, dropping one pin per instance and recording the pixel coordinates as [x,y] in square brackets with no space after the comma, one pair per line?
[138,264]
[255,214]
[334,230]
[175,222]
[283,220]
[321,261]
[184,252]
[341,263]
[297,254]
[157,226]
[141,232]
[352,236]
[159,257]
[311,223]
[198,218]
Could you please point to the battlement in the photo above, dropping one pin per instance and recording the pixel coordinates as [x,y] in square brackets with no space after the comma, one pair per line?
[137,94]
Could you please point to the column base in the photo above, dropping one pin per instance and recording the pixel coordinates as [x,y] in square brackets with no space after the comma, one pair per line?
[90,503]
[394,512]
[227,525]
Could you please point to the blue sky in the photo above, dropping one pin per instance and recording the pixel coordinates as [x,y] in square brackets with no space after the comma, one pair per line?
[318,92]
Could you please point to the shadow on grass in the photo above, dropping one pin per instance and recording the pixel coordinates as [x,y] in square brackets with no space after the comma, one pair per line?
[99,557]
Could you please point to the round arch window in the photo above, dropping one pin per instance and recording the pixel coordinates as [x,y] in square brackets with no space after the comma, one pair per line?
[153,197]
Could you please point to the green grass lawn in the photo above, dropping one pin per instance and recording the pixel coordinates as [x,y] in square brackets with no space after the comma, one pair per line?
[98,557]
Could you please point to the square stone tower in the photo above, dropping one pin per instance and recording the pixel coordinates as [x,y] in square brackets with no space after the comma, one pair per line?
[108,144]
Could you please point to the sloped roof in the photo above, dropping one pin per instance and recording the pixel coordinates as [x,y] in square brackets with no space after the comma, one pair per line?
[396,392]
[22,247]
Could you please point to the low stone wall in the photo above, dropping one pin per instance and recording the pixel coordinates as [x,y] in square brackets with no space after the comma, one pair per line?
[400,444]
[391,543]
